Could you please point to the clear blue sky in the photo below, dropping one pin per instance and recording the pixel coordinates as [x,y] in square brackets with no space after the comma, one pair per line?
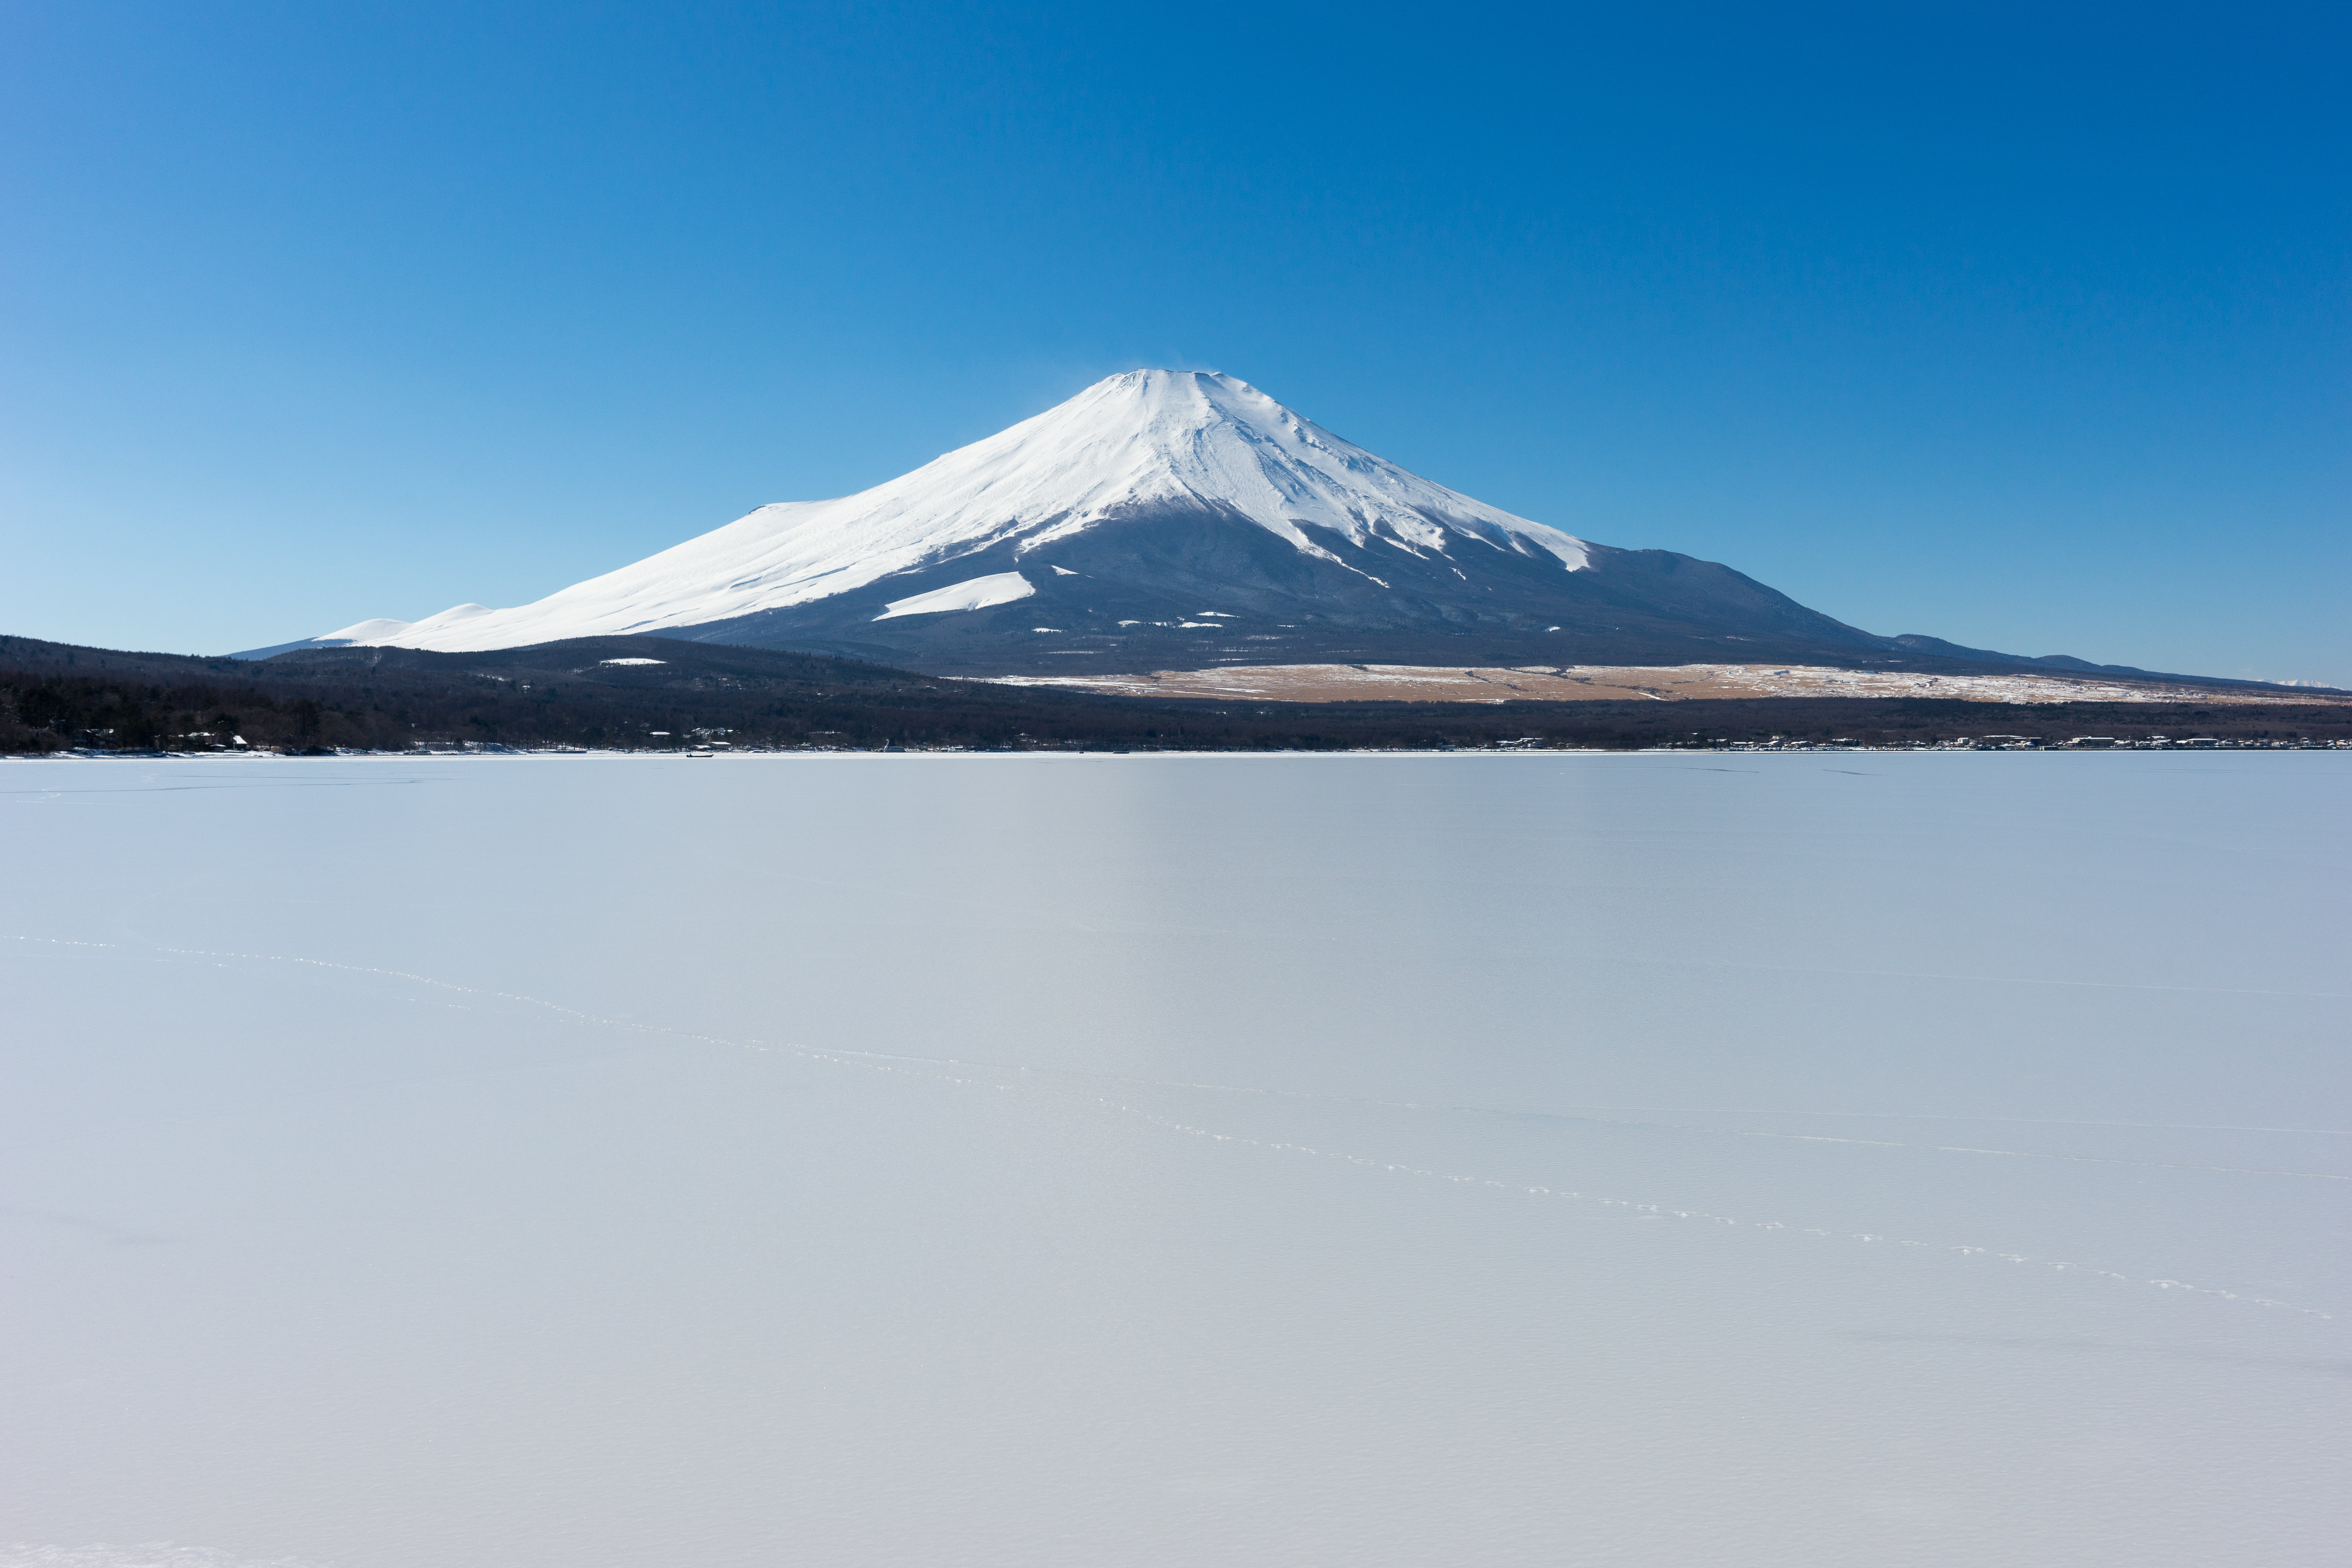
[2023,326]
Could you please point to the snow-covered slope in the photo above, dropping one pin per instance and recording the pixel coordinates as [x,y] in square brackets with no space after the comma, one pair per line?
[1124,445]
[978,594]
[378,632]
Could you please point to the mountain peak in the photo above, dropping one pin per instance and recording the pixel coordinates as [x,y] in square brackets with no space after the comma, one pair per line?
[1180,396]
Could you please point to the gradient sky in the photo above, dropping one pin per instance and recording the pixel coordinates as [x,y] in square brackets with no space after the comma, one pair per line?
[2022,326]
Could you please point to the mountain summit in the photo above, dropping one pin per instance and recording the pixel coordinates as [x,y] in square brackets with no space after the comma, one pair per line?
[1160,518]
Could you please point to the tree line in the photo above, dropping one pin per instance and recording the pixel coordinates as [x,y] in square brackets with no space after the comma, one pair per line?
[54,697]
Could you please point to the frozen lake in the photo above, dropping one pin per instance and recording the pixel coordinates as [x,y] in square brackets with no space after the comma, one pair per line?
[1069,1162]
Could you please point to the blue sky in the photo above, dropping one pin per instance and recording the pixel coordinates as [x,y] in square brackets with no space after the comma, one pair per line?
[2024,326]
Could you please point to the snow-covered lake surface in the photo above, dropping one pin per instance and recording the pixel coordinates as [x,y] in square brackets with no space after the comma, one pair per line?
[588,1163]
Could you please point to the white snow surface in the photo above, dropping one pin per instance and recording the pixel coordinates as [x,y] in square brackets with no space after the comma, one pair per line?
[1143,437]
[1039,1160]
[379,630]
[1001,588]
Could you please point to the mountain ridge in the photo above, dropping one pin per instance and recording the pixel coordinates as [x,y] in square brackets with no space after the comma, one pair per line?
[1166,519]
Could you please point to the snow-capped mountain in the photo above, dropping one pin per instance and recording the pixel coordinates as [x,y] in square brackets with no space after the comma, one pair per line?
[1157,516]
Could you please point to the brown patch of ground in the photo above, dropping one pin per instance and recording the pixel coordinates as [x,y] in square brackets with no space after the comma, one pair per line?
[1663,683]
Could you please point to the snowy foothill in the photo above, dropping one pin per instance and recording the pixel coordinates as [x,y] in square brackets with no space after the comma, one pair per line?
[370,631]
